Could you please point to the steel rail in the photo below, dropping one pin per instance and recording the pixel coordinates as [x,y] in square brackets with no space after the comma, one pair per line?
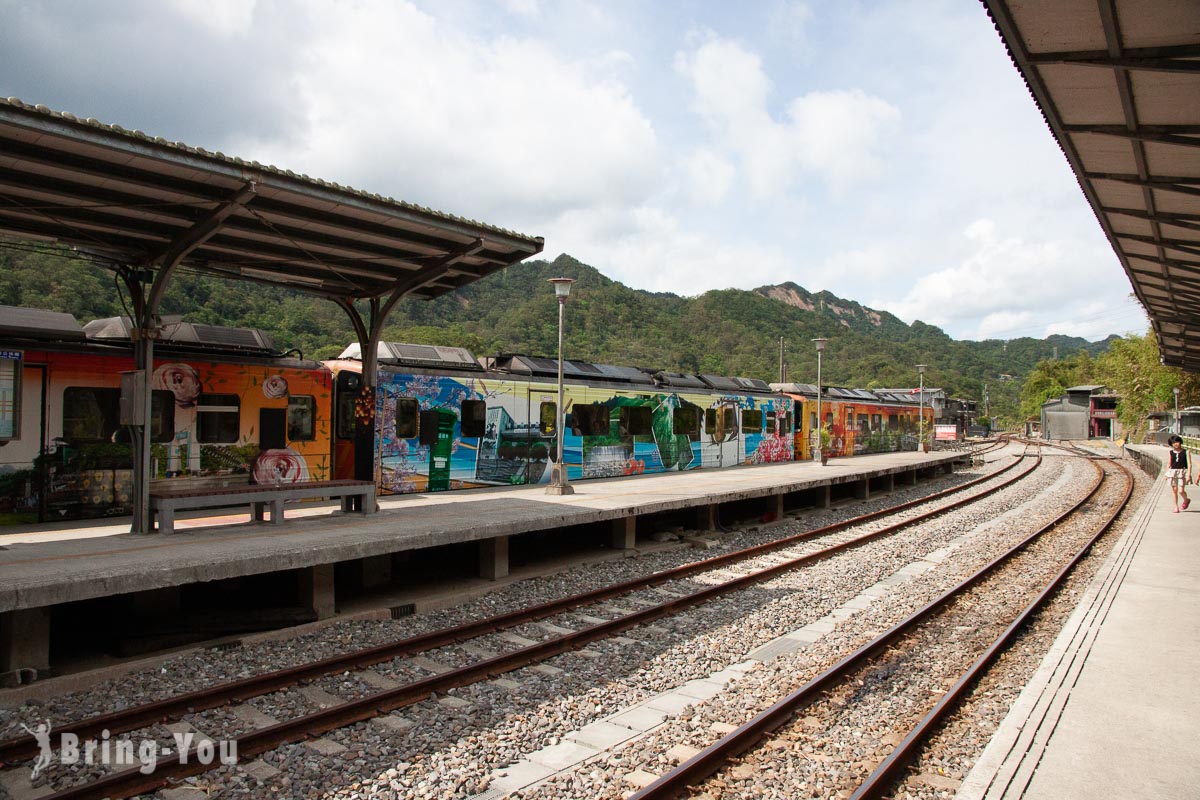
[888,771]
[24,747]
[677,782]
[132,781]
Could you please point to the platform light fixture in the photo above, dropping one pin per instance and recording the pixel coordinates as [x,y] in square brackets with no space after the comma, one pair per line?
[921,407]
[820,344]
[558,478]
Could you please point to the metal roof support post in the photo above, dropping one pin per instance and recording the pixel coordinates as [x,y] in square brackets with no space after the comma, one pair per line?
[148,328]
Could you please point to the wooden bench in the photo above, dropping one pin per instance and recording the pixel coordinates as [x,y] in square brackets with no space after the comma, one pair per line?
[356,496]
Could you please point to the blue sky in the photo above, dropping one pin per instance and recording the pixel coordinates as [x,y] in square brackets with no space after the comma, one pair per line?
[888,152]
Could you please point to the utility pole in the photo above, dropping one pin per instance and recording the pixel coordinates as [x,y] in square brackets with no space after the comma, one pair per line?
[782,367]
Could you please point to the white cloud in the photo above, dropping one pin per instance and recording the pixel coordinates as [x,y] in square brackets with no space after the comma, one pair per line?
[499,130]
[523,8]
[1004,287]
[838,135]
[650,249]
[709,176]
[225,17]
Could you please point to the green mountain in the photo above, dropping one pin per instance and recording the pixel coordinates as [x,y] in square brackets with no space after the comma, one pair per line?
[727,332]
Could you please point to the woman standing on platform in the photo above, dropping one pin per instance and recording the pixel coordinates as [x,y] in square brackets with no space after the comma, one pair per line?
[1179,472]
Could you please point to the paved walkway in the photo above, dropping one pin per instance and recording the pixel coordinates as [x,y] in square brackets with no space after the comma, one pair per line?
[82,562]
[1114,710]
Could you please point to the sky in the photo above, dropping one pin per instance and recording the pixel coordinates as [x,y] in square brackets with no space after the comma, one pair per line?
[888,152]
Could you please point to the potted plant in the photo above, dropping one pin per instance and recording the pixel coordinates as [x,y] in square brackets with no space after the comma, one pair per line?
[825,443]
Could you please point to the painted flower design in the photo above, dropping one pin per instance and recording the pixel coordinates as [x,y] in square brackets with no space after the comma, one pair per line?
[181,380]
[280,465]
[275,387]
[772,449]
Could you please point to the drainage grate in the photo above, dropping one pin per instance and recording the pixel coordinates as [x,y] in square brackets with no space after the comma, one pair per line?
[488,794]
[406,610]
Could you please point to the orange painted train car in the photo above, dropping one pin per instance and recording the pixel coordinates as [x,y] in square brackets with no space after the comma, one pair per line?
[226,408]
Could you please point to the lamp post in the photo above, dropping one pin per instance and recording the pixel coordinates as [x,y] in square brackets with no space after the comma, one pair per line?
[921,406]
[1178,426]
[558,478]
[820,343]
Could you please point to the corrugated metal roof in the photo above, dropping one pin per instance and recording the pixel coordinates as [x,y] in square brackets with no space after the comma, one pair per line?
[1118,82]
[137,199]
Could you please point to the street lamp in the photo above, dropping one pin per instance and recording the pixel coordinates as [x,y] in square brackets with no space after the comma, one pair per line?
[1178,426]
[558,475]
[921,408]
[820,343]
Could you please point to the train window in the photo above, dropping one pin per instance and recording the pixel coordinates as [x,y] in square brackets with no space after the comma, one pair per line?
[864,423]
[10,395]
[752,420]
[893,421]
[474,417]
[592,419]
[710,421]
[812,422]
[92,414]
[218,418]
[686,420]
[770,422]
[729,419]
[345,414]
[636,421]
[876,421]
[406,417]
[548,418]
[301,418]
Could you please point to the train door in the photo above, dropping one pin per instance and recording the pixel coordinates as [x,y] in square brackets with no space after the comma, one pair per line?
[23,434]
[345,428]
[722,435]
[535,441]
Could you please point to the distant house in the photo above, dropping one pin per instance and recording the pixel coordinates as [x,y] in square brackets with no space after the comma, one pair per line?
[1084,412]
[1163,425]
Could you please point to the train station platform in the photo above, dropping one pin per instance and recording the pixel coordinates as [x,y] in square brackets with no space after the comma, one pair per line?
[41,570]
[1114,709]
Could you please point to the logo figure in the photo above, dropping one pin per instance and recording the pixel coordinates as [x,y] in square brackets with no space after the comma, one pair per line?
[42,734]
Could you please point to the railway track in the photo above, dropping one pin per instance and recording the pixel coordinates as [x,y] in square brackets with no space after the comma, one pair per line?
[870,672]
[125,784]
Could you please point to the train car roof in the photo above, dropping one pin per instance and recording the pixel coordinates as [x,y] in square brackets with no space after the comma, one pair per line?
[34,323]
[679,380]
[418,355]
[518,364]
[720,382]
[192,335]
[795,388]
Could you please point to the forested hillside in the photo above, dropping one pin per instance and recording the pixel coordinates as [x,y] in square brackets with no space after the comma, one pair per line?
[730,332]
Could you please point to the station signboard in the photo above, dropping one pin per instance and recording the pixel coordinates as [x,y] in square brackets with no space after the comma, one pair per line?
[945,433]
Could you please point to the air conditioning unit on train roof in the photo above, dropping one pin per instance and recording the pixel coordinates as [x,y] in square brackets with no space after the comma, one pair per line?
[753,384]
[418,355]
[720,382]
[679,380]
[193,335]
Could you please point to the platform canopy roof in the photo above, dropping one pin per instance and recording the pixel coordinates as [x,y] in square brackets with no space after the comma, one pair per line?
[142,201]
[1118,81]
